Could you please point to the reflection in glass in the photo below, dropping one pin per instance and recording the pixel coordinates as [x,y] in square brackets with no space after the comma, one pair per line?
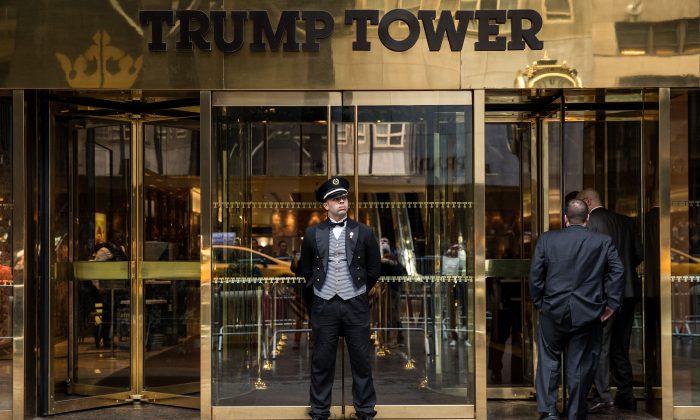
[269,162]
[685,245]
[172,195]
[415,191]
[172,214]
[90,283]
[8,261]
[508,236]
[602,150]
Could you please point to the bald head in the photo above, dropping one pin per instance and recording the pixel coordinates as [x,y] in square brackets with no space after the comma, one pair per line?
[576,212]
[591,197]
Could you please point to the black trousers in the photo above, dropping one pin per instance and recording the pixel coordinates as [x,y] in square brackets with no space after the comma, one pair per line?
[620,366]
[331,319]
[582,345]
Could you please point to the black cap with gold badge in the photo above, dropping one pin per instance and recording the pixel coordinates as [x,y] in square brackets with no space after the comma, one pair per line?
[334,187]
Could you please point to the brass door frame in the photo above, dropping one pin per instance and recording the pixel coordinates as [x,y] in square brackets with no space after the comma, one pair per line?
[133,271]
[19,242]
[351,99]
[499,268]
[540,179]
[98,399]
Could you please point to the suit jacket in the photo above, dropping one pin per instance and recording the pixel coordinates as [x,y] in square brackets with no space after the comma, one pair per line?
[623,232]
[361,249]
[576,271]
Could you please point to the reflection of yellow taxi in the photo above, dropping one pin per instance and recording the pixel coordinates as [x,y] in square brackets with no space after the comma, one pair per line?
[683,264]
[233,260]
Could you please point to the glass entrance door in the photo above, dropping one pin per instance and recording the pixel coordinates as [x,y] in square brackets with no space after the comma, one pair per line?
[532,167]
[410,168]
[122,298]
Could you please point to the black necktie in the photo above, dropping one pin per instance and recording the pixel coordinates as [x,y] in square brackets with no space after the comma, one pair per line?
[334,224]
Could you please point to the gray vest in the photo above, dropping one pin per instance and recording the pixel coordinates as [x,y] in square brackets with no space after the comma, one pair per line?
[338,280]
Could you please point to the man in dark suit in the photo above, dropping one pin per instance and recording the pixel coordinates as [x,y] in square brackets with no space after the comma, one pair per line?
[576,284]
[614,354]
[340,261]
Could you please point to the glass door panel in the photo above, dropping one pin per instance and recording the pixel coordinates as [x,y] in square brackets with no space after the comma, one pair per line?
[8,260]
[685,246]
[415,190]
[509,225]
[602,149]
[90,289]
[170,270]
[269,161]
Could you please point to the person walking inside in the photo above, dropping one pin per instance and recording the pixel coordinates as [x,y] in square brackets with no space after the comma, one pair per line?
[340,261]
[614,353]
[576,284]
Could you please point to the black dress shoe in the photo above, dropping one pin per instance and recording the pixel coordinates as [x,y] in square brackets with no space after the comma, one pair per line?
[600,406]
[549,416]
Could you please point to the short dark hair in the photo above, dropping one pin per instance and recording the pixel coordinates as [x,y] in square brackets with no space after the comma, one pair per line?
[576,211]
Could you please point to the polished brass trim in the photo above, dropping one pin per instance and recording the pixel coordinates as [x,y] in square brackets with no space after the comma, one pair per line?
[536,220]
[665,249]
[50,404]
[422,411]
[466,411]
[171,399]
[511,393]
[86,403]
[479,125]
[103,270]
[184,389]
[356,161]
[266,98]
[269,412]
[686,412]
[170,270]
[208,169]
[507,268]
[95,390]
[19,242]
[544,174]
[137,304]
[384,412]
[436,97]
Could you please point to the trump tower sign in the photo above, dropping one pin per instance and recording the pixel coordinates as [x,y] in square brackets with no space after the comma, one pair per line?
[226,30]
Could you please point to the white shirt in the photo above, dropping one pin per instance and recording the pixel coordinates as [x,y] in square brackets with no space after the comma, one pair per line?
[337,229]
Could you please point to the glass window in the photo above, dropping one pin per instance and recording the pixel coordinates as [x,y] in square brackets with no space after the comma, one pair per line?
[558,9]
[9,261]
[416,194]
[685,245]
[269,162]
[415,191]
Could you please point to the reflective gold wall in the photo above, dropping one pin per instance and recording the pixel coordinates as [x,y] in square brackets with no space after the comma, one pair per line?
[599,43]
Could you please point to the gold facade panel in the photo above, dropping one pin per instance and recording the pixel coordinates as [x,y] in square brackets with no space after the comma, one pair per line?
[407,97]
[276,99]
[110,50]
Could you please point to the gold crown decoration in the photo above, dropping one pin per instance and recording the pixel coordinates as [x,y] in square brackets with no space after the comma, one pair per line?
[94,68]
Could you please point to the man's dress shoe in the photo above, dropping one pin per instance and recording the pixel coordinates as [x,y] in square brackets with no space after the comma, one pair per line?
[600,406]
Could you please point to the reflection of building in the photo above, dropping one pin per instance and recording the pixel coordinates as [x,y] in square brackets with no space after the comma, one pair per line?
[459,160]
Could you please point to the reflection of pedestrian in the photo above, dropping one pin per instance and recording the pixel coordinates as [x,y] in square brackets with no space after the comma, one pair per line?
[507,323]
[614,354]
[454,263]
[392,268]
[575,283]
[340,261]
[282,250]
[299,307]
